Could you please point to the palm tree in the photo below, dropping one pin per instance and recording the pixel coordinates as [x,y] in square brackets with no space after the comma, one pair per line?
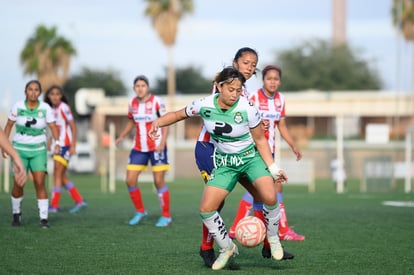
[403,17]
[47,55]
[165,15]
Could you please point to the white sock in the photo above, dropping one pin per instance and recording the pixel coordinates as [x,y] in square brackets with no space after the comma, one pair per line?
[217,229]
[43,205]
[16,205]
[272,216]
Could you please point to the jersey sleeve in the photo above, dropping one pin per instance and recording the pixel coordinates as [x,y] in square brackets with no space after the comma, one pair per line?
[67,112]
[253,115]
[254,98]
[282,101]
[160,108]
[13,113]
[130,108]
[50,116]
[194,108]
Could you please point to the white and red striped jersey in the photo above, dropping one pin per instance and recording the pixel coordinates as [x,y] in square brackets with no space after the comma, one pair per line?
[271,109]
[144,113]
[204,135]
[63,116]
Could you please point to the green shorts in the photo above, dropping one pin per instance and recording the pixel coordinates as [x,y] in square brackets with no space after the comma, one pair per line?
[34,157]
[230,167]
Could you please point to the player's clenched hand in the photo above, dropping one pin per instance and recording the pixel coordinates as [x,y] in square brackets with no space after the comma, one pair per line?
[4,153]
[277,173]
[19,173]
[153,132]
[282,177]
[265,124]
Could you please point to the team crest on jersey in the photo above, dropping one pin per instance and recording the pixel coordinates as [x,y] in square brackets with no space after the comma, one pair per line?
[40,114]
[263,105]
[148,108]
[278,103]
[238,118]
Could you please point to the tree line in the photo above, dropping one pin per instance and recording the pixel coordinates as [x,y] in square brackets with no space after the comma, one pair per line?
[314,64]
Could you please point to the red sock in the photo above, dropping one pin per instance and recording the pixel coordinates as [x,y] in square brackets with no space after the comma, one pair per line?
[164,198]
[136,199]
[242,211]
[283,223]
[259,214]
[207,240]
[75,194]
[55,198]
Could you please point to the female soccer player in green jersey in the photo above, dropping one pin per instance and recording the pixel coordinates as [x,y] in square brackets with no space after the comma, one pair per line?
[240,149]
[31,117]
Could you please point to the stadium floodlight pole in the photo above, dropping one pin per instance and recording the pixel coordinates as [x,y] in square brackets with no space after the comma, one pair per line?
[112,158]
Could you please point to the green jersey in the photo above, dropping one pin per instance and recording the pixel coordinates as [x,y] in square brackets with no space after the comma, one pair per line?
[229,129]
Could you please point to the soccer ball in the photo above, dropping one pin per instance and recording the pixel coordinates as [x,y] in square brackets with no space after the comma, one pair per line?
[250,231]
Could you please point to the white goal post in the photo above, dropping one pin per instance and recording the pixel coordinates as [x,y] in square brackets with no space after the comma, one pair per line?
[299,172]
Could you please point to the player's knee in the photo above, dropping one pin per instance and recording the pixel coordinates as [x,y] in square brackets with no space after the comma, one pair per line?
[207,208]
[269,199]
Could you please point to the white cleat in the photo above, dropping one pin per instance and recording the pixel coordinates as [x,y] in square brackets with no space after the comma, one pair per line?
[224,256]
[276,248]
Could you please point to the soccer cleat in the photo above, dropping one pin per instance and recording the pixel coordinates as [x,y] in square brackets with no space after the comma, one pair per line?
[163,222]
[17,219]
[208,257]
[291,235]
[53,209]
[44,223]
[266,252]
[286,255]
[78,207]
[137,218]
[224,257]
[276,248]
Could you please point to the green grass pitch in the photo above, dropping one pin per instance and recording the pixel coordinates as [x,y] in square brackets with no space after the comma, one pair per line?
[350,233]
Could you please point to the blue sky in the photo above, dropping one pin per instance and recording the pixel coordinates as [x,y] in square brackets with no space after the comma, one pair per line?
[116,35]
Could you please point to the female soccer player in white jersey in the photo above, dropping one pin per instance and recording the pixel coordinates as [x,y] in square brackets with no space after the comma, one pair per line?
[32,117]
[240,149]
[271,105]
[143,109]
[65,123]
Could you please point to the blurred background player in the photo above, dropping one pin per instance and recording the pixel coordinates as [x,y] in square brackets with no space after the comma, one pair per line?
[32,117]
[271,105]
[67,139]
[240,150]
[143,109]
